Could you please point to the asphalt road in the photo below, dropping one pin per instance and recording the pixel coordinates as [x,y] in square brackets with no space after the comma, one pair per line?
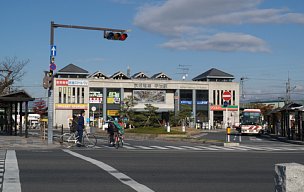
[110,170]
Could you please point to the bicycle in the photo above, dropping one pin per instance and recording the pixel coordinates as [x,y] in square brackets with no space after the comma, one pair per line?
[118,140]
[88,139]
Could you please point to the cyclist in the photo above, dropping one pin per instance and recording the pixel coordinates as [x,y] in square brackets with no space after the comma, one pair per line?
[113,129]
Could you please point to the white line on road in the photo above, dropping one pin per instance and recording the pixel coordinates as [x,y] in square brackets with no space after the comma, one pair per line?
[120,176]
[143,147]
[11,181]
[174,147]
[193,148]
[221,148]
[128,147]
[239,148]
[159,147]
[207,148]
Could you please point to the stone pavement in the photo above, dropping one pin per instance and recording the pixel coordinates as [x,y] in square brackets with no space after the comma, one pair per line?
[20,142]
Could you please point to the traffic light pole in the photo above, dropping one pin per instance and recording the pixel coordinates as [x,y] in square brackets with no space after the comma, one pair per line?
[50,90]
[51,98]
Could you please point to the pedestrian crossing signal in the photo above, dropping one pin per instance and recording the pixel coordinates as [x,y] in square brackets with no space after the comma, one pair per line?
[48,81]
[50,73]
[115,36]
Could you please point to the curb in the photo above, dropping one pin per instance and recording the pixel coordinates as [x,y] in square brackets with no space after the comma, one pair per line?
[283,139]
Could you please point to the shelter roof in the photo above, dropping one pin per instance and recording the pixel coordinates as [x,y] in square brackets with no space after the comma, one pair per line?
[160,75]
[140,75]
[98,75]
[213,73]
[72,69]
[119,75]
[291,106]
[17,96]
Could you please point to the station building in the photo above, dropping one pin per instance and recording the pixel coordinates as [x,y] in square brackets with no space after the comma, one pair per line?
[75,89]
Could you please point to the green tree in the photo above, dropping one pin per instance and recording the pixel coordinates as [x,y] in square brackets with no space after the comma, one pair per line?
[152,117]
[126,109]
[139,119]
[184,114]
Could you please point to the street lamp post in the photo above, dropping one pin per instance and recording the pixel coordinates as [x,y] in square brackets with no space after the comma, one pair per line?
[110,36]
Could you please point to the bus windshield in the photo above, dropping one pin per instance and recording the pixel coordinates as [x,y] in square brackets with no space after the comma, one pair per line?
[251,118]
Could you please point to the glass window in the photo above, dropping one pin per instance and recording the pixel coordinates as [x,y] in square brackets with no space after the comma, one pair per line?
[82,95]
[60,95]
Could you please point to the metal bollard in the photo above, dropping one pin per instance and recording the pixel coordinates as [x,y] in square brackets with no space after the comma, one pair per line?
[61,133]
[228,131]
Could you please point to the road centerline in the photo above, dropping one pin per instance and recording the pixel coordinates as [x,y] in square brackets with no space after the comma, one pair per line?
[114,172]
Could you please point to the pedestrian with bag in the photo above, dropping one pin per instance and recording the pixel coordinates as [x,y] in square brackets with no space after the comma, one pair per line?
[80,128]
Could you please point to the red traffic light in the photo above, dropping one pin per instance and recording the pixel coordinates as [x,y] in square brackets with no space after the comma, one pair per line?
[115,36]
[123,37]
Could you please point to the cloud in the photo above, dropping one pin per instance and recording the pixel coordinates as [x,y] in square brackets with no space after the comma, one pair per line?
[175,18]
[220,42]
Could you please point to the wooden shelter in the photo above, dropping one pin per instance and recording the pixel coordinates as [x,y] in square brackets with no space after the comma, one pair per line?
[10,106]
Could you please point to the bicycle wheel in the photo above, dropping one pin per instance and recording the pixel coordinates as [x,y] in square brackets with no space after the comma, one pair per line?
[72,140]
[109,142]
[121,139]
[67,139]
[117,141]
[89,140]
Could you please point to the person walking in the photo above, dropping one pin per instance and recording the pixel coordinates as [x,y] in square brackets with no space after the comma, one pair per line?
[80,128]
[74,124]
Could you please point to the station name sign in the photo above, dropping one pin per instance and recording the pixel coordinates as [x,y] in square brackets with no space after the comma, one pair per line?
[151,85]
[71,82]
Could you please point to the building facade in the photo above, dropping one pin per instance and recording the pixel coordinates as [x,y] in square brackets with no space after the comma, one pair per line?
[101,96]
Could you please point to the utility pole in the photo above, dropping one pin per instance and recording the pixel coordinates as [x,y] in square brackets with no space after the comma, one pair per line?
[288,90]
[242,86]
[109,33]
[184,69]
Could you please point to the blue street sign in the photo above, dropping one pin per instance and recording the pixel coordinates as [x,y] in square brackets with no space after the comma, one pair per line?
[53,66]
[53,50]
[225,104]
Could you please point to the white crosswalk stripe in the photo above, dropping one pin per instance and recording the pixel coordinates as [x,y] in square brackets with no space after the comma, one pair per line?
[159,147]
[207,148]
[175,147]
[270,149]
[250,148]
[193,148]
[143,147]
[222,148]
[128,147]
[239,148]
[211,148]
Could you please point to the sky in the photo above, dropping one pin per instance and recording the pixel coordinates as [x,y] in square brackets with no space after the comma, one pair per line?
[259,41]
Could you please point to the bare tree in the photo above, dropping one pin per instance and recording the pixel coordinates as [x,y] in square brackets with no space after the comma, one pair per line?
[11,71]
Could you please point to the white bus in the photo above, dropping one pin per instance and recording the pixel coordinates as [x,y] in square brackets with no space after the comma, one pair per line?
[251,122]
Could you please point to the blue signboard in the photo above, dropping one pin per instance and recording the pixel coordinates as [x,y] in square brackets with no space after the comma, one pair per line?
[202,102]
[53,66]
[53,50]
[186,102]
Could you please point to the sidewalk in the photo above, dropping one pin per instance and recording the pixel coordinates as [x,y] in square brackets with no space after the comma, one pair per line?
[31,142]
